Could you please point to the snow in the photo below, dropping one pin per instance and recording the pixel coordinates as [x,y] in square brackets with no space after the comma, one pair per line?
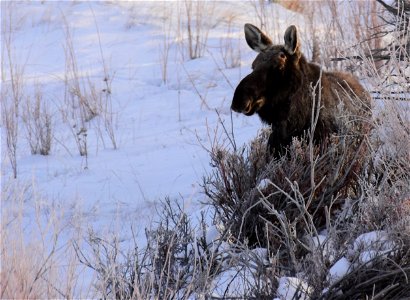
[338,270]
[212,234]
[367,246]
[264,183]
[234,282]
[324,245]
[162,129]
[159,128]
[372,244]
[261,254]
[293,288]
[240,273]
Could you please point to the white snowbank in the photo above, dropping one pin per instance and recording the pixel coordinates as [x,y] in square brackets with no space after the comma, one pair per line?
[338,270]
[293,288]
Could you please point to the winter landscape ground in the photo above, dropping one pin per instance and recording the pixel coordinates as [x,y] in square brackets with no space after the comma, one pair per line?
[109,108]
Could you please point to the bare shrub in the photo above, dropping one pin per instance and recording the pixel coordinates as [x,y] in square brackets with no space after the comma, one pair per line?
[285,205]
[387,35]
[385,276]
[104,99]
[179,261]
[84,100]
[374,272]
[76,95]
[391,137]
[347,30]
[197,25]
[12,89]
[38,122]
[176,262]
[10,117]
[335,190]
[240,179]
[230,46]
[78,106]
[264,11]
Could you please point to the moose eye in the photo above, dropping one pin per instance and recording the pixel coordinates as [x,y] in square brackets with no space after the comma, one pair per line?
[282,55]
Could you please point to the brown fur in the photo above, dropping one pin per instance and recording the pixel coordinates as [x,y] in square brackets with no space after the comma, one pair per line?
[279,90]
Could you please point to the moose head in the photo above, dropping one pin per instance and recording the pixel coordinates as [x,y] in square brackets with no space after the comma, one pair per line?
[279,90]
[271,69]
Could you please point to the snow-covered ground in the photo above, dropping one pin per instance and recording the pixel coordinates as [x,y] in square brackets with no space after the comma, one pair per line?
[160,127]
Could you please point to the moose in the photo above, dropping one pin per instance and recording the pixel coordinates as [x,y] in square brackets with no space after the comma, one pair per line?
[281,90]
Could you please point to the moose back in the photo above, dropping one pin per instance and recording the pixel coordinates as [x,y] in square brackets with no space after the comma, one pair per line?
[280,90]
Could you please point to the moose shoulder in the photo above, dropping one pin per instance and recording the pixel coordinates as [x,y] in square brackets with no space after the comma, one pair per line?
[279,90]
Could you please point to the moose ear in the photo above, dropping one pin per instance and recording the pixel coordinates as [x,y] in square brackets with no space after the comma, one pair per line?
[291,37]
[256,39]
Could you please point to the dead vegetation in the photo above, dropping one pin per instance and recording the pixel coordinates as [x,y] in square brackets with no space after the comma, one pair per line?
[320,181]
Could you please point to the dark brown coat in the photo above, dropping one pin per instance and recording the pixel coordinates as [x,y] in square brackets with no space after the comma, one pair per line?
[280,90]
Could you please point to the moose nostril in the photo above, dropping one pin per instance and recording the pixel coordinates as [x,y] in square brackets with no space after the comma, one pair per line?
[234,108]
[240,107]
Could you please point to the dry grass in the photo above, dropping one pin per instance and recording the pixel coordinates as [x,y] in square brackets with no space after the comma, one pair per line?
[37,260]
[197,26]
[230,46]
[38,122]
[87,102]
[176,263]
[12,89]
[346,34]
